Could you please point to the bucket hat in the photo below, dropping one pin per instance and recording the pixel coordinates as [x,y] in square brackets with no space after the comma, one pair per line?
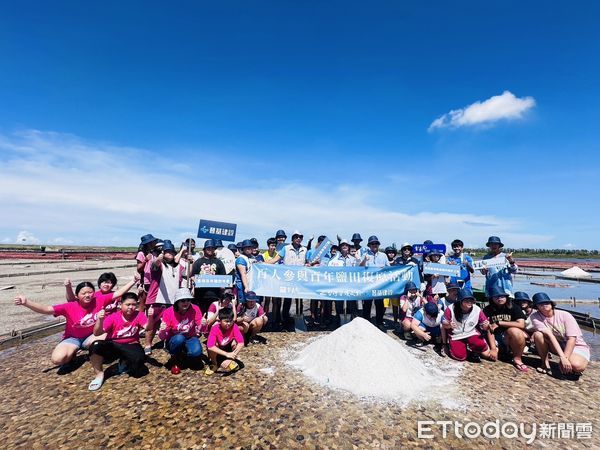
[494,240]
[541,298]
[147,238]
[356,237]
[373,240]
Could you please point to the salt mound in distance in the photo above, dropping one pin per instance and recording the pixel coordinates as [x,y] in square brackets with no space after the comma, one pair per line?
[576,272]
[359,358]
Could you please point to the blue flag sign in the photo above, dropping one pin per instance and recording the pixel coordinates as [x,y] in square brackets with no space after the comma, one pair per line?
[447,270]
[210,229]
[203,281]
[321,250]
[428,248]
[331,283]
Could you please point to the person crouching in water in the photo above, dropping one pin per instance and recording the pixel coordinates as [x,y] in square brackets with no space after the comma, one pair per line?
[426,324]
[464,322]
[122,340]
[558,332]
[181,325]
[251,318]
[225,341]
[507,328]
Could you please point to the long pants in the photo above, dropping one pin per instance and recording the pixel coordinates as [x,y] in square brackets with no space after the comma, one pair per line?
[179,342]
[132,354]
[458,347]
[379,310]
[285,310]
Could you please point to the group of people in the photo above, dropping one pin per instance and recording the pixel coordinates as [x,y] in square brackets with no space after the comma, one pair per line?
[433,309]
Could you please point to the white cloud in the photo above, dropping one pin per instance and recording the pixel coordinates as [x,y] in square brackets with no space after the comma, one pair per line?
[95,193]
[505,106]
[569,245]
[27,238]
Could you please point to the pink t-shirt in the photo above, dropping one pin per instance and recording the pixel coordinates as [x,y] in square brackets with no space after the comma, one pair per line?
[562,324]
[111,303]
[121,331]
[148,264]
[220,339]
[188,324]
[80,320]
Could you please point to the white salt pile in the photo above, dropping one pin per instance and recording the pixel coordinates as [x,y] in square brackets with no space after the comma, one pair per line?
[576,272]
[360,359]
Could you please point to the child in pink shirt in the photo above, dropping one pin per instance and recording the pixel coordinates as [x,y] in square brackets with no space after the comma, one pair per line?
[122,340]
[251,317]
[225,341]
[181,326]
[80,319]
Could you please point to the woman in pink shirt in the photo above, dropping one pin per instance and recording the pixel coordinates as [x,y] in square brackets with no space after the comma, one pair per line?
[80,319]
[558,332]
[181,327]
[122,341]
[225,341]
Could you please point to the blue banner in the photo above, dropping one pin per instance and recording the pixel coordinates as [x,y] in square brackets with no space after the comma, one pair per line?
[321,250]
[203,281]
[447,270]
[210,229]
[331,283]
[428,248]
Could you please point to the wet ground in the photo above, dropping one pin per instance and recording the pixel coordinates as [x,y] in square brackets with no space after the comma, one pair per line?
[270,405]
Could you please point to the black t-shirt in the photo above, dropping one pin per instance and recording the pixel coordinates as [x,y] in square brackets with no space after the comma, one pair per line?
[207,266]
[506,313]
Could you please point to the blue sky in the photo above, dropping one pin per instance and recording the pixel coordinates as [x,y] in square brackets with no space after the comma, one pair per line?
[121,118]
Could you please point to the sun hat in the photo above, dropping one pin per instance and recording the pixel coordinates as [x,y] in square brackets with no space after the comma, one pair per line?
[209,243]
[211,295]
[218,243]
[255,242]
[251,296]
[406,245]
[541,298]
[147,238]
[428,242]
[297,233]
[494,240]
[356,237]
[247,243]
[522,297]
[168,246]
[452,286]
[431,309]
[498,291]
[280,233]
[465,294]
[344,242]
[232,247]
[391,249]
[373,240]
[183,294]
[160,243]
[409,287]
[435,252]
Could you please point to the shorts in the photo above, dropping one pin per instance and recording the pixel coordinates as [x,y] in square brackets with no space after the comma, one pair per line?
[502,341]
[584,352]
[221,358]
[78,342]
[434,331]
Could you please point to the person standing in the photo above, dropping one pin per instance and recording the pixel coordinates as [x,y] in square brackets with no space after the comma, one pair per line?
[344,259]
[464,261]
[494,276]
[208,264]
[374,258]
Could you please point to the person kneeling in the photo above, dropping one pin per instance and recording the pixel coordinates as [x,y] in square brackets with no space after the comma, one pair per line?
[464,322]
[557,331]
[225,341]
[122,340]
[426,326]
[181,327]
[251,318]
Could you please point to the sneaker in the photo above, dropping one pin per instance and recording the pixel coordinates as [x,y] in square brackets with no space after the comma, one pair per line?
[147,351]
[175,370]
[210,370]
[407,335]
